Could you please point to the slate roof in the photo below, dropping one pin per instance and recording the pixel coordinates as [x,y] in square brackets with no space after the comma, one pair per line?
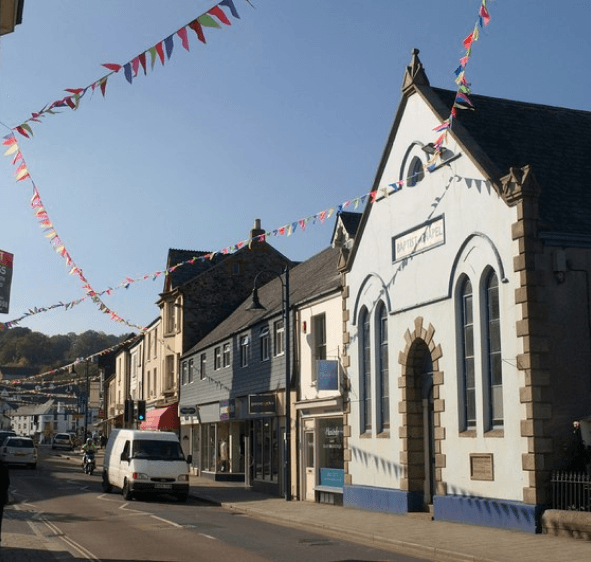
[350,222]
[188,271]
[308,280]
[554,141]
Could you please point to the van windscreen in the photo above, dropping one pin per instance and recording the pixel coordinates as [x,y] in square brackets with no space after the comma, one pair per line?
[157,450]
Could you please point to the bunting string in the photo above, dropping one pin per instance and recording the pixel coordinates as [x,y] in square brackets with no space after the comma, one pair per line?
[161,51]
[22,172]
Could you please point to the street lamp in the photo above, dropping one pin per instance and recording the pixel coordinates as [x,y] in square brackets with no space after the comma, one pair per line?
[256,305]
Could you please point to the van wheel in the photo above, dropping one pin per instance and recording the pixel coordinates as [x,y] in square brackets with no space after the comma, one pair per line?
[106,486]
[127,494]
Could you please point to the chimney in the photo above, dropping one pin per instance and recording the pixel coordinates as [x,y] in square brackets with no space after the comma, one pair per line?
[255,232]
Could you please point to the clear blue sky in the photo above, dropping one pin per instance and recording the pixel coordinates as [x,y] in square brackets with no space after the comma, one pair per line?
[280,116]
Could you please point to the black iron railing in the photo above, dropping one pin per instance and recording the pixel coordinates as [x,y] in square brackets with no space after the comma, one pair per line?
[571,491]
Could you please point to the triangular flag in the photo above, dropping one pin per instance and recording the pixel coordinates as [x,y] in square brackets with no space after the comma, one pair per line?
[127,71]
[142,59]
[230,5]
[196,27]
[169,44]
[113,67]
[207,21]
[135,65]
[182,33]
[160,51]
[152,56]
[219,13]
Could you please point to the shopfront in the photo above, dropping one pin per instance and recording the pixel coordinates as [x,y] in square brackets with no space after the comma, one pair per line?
[217,441]
[322,475]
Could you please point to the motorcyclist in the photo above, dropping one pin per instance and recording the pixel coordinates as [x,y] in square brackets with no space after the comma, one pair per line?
[89,450]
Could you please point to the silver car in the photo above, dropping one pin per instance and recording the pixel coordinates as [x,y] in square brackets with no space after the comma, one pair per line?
[63,441]
[19,450]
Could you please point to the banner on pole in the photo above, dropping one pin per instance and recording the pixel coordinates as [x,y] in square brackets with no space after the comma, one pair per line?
[6,261]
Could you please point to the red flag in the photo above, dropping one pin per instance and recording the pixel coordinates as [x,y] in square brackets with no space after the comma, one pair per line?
[142,58]
[219,13]
[160,51]
[112,66]
[196,27]
[469,40]
[484,14]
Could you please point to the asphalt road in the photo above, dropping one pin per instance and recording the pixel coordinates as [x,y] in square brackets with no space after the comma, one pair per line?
[97,526]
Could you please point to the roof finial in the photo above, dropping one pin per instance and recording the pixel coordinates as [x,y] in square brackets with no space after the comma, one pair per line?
[415,73]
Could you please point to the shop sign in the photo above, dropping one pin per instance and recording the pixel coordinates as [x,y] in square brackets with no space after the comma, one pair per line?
[420,239]
[227,409]
[334,477]
[327,374]
[261,404]
[188,410]
[6,260]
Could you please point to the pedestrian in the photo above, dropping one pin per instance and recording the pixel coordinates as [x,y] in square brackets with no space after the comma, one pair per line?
[4,484]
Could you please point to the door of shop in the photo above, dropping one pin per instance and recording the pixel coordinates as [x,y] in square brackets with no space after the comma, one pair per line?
[310,477]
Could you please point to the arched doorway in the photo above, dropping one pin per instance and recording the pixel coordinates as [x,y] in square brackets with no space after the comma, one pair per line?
[421,409]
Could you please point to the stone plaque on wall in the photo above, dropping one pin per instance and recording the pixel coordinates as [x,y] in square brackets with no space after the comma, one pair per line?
[481,466]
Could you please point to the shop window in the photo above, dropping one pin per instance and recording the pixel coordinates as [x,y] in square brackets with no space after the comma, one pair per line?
[266,450]
[318,342]
[265,342]
[330,443]
[365,371]
[244,351]
[492,331]
[468,362]
[278,338]
[382,372]
[217,358]
[226,355]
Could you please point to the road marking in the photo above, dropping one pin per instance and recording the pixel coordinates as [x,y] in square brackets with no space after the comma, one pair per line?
[208,536]
[166,521]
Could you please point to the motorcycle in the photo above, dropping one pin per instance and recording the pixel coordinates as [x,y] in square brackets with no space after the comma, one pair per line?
[88,463]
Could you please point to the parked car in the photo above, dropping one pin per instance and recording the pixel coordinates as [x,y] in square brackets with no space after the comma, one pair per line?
[63,441]
[19,450]
[4,434]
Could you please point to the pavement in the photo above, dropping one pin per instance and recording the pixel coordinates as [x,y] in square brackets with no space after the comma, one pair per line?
[26,540]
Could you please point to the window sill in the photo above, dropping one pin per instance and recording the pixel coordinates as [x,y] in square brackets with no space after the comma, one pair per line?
[468,433]
[498,432]
[366,435]
[384,434]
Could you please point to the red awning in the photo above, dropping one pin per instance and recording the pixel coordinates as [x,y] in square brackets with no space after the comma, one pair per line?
[162,418]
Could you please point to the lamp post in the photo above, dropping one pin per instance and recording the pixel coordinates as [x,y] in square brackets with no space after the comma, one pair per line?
[256,305]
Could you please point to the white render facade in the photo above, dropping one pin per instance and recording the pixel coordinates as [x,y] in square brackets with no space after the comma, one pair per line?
[435,410]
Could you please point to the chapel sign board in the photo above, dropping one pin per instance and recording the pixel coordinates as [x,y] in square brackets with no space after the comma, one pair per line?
[419,239]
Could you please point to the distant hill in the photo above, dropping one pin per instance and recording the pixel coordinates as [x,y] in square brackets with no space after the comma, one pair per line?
[22,347]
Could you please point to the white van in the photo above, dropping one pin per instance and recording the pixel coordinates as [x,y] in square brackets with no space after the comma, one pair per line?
[145,462]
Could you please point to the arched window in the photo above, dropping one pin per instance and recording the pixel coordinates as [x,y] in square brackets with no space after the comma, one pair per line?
[382,371]
[365,371]
[468,364]
[492,331]
[415,172]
